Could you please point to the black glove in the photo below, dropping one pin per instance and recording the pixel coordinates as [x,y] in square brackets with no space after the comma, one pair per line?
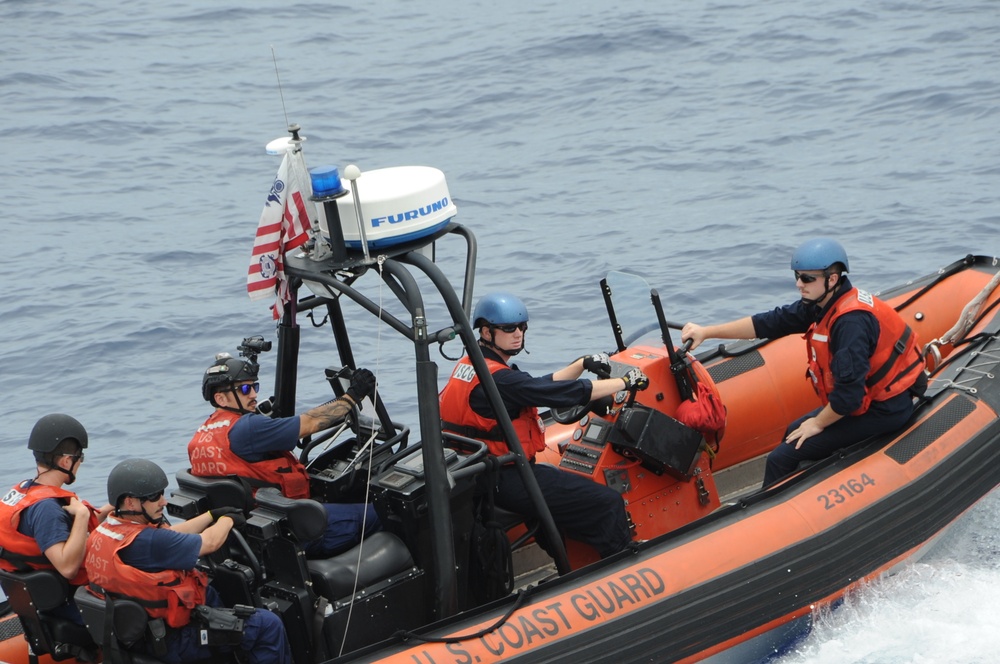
[234,513]
[362,385]
[635,379]
[599,364]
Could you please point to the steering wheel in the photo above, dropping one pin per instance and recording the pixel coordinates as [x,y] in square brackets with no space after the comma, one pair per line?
[400,437]
[236,538]
[327,436]
[570,414]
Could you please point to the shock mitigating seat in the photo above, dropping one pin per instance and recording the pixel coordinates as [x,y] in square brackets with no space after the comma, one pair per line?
[382,555]
[124,629]
[196,494]
[277,528]
[118,625]
[33,596]
[386,576]
[379,557]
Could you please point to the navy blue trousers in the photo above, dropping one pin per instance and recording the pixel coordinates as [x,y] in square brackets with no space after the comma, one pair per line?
[584,510]
[881,417]
[343,528]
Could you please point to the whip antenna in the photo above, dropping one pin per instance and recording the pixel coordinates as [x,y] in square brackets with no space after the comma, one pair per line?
[280,92]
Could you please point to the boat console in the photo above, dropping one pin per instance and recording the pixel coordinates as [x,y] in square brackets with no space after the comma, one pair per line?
[659,442]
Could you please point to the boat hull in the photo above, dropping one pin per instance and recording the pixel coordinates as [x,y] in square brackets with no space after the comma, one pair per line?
[758,567]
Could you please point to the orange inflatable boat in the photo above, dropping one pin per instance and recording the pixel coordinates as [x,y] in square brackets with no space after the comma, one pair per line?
[718,570]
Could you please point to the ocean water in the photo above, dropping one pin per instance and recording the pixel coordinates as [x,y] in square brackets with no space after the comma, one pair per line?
[697,143]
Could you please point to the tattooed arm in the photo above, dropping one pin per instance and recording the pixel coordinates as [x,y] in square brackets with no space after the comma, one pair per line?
[324,416]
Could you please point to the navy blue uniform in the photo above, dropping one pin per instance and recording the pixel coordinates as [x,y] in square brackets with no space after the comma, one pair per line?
[50,524]
[587,511]
[254,436]
[852,342]
[158,549]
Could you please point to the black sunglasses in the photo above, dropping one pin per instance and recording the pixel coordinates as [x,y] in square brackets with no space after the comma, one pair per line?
[510,328]
[151,498]
[805,278]
[75,457]
[246,387]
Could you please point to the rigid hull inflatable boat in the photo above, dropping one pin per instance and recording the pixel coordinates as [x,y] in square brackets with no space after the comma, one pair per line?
[719,569]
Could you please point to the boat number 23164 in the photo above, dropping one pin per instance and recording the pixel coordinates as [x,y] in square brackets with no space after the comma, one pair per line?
[848,489]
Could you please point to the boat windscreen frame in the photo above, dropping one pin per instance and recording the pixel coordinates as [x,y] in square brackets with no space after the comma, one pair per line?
[337,279]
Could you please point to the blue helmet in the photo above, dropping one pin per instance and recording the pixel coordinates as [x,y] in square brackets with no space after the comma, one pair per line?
[819,254]
[499,308]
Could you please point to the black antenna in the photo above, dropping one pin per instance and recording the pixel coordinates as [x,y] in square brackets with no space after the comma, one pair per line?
[280,92]
[616,328]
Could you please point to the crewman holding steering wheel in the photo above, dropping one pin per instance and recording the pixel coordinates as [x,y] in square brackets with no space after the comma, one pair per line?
[587,511]
[236,440]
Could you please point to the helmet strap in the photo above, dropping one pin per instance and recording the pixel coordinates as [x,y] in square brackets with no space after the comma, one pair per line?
[826,288]
[150,519]
[143,513]
[70,477]
[239,411]
[492,344]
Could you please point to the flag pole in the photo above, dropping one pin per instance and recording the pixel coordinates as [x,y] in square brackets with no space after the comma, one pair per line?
[316,249]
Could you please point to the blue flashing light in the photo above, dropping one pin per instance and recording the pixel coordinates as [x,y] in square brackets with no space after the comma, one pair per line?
[326,181]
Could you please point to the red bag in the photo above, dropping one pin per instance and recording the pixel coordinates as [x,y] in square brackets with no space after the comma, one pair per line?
[705,414]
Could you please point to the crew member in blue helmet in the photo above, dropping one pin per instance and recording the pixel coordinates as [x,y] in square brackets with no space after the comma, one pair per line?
[585,510]
[863,359]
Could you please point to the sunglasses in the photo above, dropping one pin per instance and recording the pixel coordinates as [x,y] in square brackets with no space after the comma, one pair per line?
[245,388]
[510,328]
[151,498]
[805,278]
[75,457]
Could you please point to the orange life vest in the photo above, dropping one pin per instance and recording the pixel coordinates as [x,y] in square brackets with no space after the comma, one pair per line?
[212,456]
[19,550]
[170,594]
[895,365]
[457,416]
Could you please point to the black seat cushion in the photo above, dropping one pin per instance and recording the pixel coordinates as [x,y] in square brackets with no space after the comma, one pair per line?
[42,589]
[382,555]
[65,631]
[221,491]
[32,595]
[306,518]
[129,621]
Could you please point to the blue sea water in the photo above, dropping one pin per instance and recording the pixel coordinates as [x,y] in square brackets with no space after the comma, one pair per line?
[697,143]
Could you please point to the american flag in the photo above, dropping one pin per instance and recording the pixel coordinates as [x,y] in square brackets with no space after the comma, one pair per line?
[284,226]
